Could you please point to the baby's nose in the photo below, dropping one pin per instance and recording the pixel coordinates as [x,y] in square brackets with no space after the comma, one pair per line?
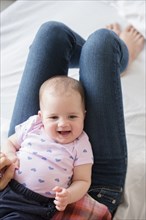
[63,122]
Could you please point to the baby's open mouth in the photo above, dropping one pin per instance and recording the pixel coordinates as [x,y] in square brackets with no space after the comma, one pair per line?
[64,132]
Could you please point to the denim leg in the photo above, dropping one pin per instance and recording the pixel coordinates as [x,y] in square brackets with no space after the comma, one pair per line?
[104,56]
[54,49]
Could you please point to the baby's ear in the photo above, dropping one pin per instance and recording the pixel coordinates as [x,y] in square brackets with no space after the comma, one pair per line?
[39,114]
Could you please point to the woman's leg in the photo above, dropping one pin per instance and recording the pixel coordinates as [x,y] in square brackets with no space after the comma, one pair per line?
[104,56]
[54,49]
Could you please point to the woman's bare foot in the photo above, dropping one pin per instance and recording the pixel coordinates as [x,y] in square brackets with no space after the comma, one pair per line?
[114,27]
[134,41]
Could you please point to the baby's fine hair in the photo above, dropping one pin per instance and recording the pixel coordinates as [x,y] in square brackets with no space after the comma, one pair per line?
[62,85]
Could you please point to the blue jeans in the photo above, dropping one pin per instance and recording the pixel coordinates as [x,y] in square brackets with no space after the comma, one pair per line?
[100,59]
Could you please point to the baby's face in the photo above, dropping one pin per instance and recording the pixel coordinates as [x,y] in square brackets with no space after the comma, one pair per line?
[63,116]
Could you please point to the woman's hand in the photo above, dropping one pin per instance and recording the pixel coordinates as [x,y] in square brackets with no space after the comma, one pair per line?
[7,169]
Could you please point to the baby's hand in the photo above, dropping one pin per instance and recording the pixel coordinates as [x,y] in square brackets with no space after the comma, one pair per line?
[14,159]
[62,198]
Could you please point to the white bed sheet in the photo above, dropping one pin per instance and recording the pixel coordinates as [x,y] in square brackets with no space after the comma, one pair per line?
[20,22]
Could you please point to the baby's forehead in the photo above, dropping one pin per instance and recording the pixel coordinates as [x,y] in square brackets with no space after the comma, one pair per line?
[61,91]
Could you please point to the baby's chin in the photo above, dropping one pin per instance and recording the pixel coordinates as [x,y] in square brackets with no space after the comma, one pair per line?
[64,140]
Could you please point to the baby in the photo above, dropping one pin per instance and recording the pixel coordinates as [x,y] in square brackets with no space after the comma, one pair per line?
[52,151]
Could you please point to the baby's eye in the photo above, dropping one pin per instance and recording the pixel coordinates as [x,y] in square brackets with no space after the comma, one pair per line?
[53,117]
[72,116]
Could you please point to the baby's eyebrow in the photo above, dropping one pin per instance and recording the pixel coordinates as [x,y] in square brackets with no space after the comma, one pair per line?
[52,114]
[73,113]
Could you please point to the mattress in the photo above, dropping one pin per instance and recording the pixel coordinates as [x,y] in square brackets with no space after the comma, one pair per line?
[20,22]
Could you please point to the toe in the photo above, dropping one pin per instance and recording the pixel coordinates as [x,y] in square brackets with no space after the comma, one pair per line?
[128,28]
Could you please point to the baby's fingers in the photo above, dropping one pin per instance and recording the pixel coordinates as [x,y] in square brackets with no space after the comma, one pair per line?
[59,206]
[57,189]
[17,163]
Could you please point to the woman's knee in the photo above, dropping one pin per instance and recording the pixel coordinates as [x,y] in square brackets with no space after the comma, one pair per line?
[101,40]
[54,30]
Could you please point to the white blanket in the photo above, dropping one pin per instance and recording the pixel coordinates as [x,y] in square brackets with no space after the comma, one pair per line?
[20,22]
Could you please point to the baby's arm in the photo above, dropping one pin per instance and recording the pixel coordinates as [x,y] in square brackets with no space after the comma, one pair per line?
[80,184]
